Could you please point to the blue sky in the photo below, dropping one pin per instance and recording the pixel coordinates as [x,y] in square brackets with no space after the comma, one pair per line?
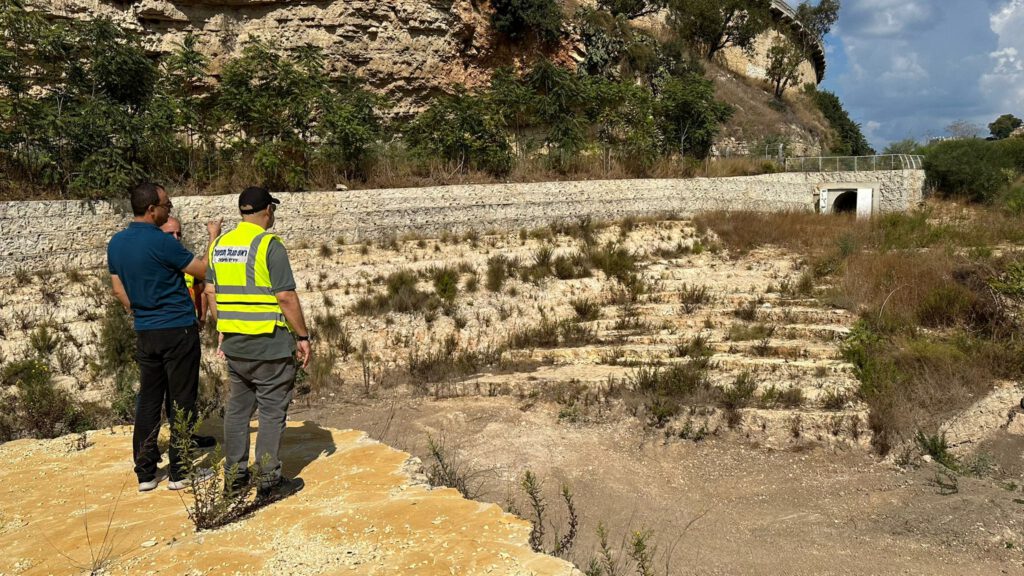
[909,68]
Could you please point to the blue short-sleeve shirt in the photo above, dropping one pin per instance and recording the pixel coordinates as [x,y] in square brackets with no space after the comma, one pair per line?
[149,264]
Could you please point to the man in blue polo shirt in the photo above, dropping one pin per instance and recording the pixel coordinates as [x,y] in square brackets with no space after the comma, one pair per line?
[146,269]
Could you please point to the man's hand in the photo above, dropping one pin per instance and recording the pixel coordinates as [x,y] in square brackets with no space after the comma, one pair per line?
[213,227]
[220,342]
[120,293]
[303,352]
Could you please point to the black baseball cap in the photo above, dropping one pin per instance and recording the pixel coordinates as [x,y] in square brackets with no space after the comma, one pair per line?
[253,199]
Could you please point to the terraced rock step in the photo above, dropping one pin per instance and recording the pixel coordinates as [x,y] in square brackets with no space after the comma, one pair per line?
[800,354]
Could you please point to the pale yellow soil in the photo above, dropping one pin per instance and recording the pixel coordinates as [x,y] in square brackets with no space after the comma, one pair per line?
[361,512]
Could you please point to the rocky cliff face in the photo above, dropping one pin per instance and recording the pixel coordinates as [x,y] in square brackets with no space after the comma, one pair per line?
[407,49]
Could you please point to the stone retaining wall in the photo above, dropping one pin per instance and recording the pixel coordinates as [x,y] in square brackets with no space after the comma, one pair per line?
[59,235]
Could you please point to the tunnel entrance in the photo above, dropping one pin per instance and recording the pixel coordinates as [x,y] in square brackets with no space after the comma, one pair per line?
[845,203]
[847,198]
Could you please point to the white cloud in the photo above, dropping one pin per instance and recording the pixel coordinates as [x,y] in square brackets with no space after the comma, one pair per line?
[908,68]
[904,68]
[1003,83]
[1007,61]
[891,18]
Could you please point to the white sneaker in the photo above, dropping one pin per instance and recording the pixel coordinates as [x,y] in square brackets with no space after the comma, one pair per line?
[148,485]
[201,475]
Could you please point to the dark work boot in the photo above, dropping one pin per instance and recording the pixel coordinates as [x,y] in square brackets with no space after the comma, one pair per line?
[283,489]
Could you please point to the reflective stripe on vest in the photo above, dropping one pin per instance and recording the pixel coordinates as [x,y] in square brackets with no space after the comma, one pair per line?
[246,303]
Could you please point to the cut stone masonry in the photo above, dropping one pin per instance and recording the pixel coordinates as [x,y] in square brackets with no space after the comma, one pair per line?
[57,235]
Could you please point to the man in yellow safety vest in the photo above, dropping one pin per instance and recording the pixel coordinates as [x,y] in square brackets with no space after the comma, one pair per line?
[251,294]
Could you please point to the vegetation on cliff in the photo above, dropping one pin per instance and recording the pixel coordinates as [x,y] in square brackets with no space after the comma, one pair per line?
[85,111]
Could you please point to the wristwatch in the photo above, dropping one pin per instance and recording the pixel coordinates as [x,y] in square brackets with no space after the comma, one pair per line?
[302,338]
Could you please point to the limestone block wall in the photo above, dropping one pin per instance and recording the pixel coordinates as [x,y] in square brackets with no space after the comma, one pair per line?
[755,64]
[60,235]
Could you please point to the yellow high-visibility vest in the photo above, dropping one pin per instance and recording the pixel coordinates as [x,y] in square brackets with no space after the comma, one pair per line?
[245,302]
[190,283]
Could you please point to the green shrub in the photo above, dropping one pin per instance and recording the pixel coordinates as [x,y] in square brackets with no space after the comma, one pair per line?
[936,446]
[614,260]
[665,390]
[693,297]
[740,393]
[30,370]
[850,140]
[976,169]
[773,396]
[696,347]
[402,296]
[586,309]
[449,361]
[462,130]
[568,267]
[125,391]
[1013,200]
[331,329]
[743,332]
[44,340]
[689,115]
[116,346]
[446,283]
[499,268]
[834,399]
[42,410]
[522,19]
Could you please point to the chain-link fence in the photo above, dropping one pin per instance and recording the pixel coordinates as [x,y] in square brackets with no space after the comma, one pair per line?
[854,163]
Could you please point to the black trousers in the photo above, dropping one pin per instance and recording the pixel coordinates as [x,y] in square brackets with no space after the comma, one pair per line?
[168,381]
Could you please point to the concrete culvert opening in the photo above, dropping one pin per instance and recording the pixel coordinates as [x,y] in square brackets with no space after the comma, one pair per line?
[845,203]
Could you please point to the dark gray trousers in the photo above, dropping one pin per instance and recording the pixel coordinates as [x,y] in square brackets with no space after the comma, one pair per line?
[265,386]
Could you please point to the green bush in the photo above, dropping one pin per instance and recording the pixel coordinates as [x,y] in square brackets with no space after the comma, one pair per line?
[402,296]
[80,92]
[446,283]
[40,409]
[1013,200]
[116,346]
[522,19]
[740,393]
[973,168]
[461,129]
[689,115]
[499,268]
[850,140]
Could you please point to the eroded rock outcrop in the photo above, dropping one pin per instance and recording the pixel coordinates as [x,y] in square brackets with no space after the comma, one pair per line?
[408,49]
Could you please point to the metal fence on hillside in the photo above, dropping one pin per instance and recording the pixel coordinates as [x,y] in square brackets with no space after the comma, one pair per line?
[854,163]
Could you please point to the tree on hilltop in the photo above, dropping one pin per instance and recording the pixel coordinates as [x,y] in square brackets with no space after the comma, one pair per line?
[818,20]
[711,25]
[963,129]
[1003,126]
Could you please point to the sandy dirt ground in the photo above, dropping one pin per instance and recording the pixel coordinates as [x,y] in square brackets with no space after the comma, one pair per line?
[719,506]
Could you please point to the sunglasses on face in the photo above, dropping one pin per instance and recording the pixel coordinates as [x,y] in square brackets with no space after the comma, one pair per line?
[176,234]
[168,206]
